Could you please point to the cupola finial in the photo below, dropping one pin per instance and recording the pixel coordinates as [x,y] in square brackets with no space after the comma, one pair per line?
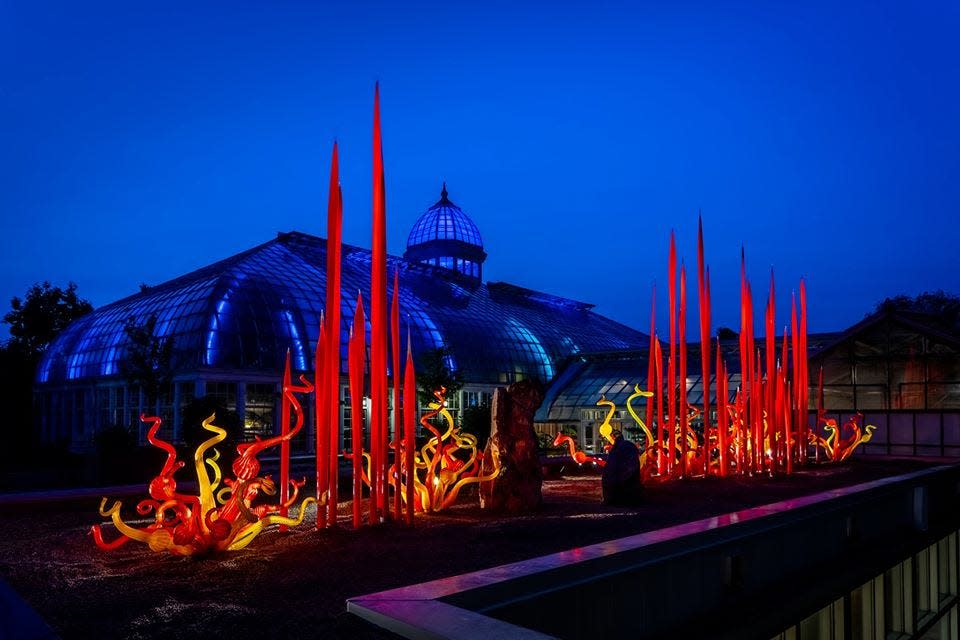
[443,192]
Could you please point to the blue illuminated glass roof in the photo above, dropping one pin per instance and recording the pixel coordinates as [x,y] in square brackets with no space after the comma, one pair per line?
[444,221]
[242,314]
[583,379]
[587,378]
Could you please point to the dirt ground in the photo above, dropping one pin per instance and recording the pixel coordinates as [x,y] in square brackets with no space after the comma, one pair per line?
[295,585]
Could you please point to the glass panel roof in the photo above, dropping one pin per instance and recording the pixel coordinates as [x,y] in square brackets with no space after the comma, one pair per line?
[243,313]
[585,379]
[444,221]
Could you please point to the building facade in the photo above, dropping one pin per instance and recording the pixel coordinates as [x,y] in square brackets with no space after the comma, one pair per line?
[900,370]
[231,323]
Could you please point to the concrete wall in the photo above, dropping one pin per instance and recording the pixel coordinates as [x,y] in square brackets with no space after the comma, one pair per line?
[747,580]
[746,574]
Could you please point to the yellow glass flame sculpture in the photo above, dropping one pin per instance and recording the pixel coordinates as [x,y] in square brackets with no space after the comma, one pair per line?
[648,454]
[218,518]
[443,466]
[606,429]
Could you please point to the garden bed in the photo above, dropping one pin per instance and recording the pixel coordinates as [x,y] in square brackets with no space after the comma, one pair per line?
[295,584]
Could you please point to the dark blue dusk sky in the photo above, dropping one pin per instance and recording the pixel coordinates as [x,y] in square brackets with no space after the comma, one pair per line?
[137,144]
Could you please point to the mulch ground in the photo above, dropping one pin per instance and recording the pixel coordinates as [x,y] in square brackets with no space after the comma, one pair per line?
[296,584]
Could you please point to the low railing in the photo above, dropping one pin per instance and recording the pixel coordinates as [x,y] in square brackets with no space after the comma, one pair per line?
[749,573]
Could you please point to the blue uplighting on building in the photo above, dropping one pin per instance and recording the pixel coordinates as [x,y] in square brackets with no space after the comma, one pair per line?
[445,236]
[210,358]
[523,336]
[241,315]
[444,221]
[299,351]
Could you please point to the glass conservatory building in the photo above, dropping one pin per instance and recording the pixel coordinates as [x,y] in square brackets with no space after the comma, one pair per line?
[900,370]
[446,237]
[231,323]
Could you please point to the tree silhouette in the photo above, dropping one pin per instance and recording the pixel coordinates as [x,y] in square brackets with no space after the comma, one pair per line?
[726,333]
[41,315]
[147,364]
[35,321]
[940,304]
[435,372]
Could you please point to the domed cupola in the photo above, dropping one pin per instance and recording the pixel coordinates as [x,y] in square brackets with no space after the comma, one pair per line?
[446,237]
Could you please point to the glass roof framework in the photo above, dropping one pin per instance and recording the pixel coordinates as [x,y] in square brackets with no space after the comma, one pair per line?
[445,236]
[243,313]
[613,376]
[444,221]
[586,378]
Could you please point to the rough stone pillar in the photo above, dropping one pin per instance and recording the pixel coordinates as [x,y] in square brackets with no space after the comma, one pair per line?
[514,443]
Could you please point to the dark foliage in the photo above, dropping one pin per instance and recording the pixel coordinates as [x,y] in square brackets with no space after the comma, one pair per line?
[35,320]
[434,372]
[545,440]
[116,447]
[41,315]
[16,393]
[120,459]
[940,304]
[148,361]
[191,419]
[726,333]
[476,420]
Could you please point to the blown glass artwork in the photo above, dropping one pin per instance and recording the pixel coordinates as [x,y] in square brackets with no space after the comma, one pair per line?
[222,516]
[762,428]
[578,456]
[836,446]
[443,466]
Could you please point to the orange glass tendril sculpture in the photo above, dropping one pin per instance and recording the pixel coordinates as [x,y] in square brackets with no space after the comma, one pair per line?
[222,516]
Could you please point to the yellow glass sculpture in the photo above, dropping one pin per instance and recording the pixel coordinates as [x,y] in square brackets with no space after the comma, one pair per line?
[218,518]
[443,466]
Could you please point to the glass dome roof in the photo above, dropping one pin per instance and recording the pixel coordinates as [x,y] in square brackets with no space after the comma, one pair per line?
[241,315]
[444,221]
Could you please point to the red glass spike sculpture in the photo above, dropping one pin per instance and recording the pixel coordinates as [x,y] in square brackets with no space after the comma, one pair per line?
[396,468]
[409,430]
[703,298]
[671,389]
[687,445]
[764,429]
[321,425]
[378,320]
[228,513]
[357,362]
[331,364]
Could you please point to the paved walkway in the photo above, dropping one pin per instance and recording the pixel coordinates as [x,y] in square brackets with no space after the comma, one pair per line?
[19,620]
[48,496]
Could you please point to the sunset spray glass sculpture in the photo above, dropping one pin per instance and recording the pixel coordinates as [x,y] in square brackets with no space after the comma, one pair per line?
[445,464]
[222,516]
